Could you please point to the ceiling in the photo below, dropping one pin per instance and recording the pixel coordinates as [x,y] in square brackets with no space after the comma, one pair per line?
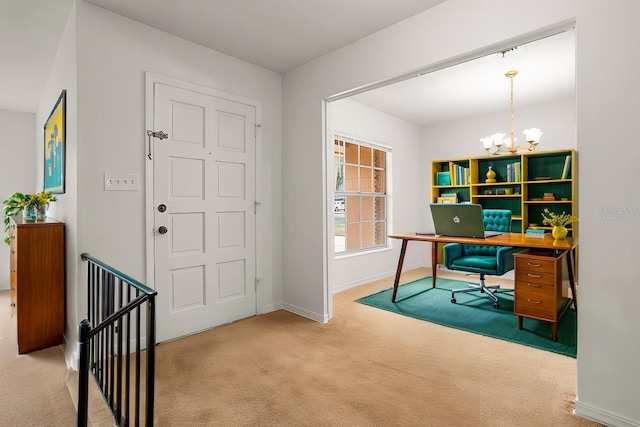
[275,34]
[282,34]
[546,72]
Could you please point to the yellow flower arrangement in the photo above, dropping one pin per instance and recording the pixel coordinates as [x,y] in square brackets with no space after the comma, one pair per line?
[19,201]
[38,199]
[553,219]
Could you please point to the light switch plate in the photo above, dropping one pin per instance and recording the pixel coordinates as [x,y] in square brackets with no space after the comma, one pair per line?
[121,181]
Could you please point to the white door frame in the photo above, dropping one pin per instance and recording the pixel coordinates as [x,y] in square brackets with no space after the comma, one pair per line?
[150,80]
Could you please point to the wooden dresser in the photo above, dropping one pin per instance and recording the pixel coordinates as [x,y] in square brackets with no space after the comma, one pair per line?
[37,282]
[538,287]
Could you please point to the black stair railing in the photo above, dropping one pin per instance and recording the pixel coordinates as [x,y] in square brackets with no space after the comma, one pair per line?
[119,306]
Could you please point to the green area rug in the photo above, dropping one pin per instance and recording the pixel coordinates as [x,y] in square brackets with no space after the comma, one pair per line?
[474,312]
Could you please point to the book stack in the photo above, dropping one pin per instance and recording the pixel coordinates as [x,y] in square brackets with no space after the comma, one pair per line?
[535,232]
[548,196]
[513,172]
[460,175]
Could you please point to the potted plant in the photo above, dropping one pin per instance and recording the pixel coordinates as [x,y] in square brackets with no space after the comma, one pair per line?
[558,222]
[33,207]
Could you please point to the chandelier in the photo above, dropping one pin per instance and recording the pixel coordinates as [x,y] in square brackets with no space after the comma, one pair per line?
[499,143]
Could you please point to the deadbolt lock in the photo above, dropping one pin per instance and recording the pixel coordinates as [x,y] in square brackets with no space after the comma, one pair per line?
[162,208]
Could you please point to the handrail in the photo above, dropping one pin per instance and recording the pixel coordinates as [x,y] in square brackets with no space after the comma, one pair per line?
[130,280]
[105,348]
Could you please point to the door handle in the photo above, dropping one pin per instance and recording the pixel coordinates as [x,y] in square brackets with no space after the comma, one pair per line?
[162,230]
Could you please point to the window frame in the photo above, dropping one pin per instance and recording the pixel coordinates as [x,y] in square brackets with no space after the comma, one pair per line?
[340,158]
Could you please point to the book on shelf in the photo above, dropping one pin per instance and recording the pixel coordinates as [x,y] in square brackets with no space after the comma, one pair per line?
[567,167]
[443,178]
[460,175]
[513,172]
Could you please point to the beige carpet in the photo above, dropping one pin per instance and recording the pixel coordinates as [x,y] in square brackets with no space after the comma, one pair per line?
[367,367]
[33,389]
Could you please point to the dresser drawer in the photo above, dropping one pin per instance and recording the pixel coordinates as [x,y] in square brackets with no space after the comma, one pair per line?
[535,277]
[529,303]
[535,264]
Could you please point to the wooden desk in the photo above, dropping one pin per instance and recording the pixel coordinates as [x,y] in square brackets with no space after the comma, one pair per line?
[519,240]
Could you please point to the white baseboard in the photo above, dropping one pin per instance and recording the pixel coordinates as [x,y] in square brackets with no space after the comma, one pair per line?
[272,307]
[602,416]
[306,313]
[359,282]
[71,360]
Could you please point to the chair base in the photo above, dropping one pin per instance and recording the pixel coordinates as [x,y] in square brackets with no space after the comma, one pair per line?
[479,287]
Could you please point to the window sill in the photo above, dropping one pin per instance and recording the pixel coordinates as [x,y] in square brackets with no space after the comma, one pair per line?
[366,252]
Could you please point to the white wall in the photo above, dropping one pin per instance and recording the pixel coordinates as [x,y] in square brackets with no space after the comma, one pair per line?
[404,138]
[63,76]
[608,110]
[608,380]
[113,54]
[18,171]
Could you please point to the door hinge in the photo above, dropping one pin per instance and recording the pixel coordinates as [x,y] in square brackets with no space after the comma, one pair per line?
[257,282]
[255,206]
[255,129]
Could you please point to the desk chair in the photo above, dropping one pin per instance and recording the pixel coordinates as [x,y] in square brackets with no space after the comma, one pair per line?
[482,259]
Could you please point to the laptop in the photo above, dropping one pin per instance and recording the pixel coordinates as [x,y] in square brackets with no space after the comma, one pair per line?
[460,220]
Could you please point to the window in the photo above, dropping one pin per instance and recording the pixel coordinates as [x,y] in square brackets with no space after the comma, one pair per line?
[360,205]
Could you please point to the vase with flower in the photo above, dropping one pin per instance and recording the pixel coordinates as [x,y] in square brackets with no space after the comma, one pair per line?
[36,206]
[558,222]
[32,206]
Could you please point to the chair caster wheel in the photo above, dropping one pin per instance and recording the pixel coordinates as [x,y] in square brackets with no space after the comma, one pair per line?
[496,305]
[453,300]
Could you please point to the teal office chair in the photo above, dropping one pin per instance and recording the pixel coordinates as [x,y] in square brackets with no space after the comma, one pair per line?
[482,259]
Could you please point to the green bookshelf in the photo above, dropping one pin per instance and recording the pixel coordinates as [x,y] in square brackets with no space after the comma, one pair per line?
[526,184]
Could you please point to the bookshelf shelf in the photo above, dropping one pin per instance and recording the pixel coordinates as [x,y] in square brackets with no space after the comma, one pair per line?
[527,176]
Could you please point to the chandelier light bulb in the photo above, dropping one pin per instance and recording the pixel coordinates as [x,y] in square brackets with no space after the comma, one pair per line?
[533,135]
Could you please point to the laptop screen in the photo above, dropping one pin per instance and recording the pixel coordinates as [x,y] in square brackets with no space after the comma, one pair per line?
[459,220]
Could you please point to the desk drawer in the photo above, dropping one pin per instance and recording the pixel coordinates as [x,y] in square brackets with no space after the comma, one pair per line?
[535,304]
[535,264]
[534,288]
[535,277]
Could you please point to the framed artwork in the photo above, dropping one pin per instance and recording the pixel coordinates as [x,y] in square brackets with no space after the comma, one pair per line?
[55,134]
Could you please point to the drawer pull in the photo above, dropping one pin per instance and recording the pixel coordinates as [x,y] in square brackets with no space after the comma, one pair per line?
[534,285]
[537,276]
[534,265]
[534,301]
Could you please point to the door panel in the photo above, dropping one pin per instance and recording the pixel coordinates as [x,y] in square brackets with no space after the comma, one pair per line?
[204,172]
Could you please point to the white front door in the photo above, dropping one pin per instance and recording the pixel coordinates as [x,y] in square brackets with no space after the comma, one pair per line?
[203,196]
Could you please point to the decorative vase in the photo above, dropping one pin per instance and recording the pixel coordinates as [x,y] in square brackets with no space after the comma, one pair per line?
[41,212]
[33,213]
[29,213]
[491,175]
[559,232]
